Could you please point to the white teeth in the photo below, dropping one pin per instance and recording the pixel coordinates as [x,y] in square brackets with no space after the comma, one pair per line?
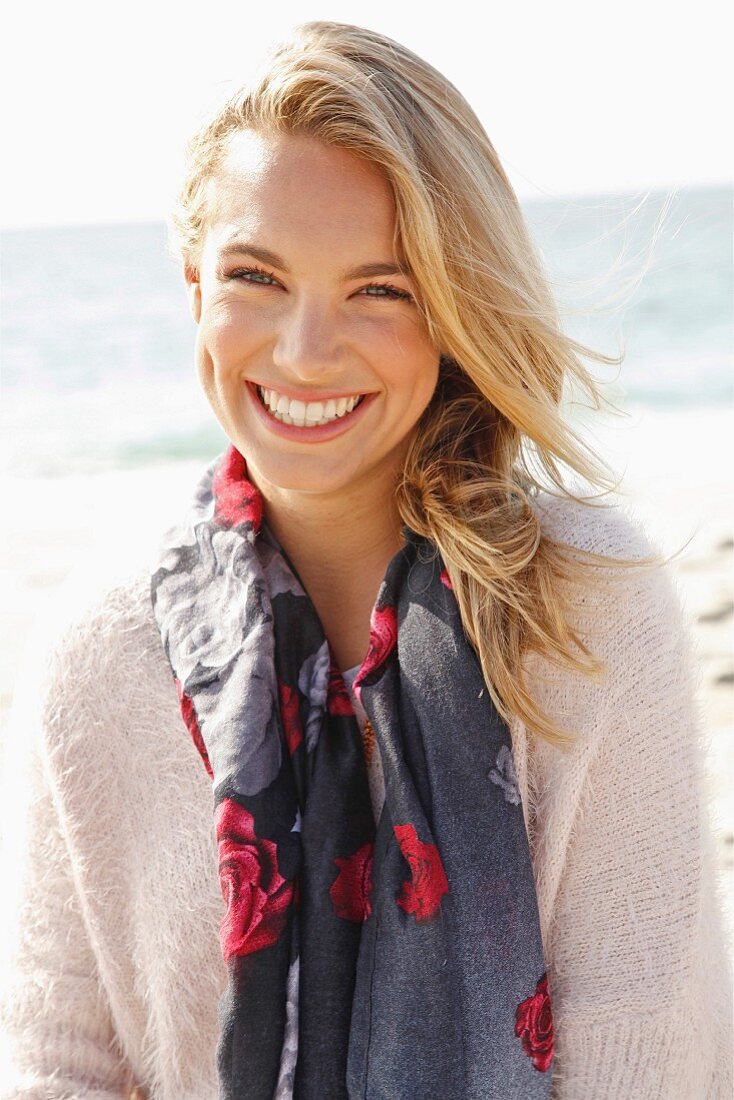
[306,413]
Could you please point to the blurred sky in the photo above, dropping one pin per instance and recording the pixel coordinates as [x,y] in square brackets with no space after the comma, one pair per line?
[99,99]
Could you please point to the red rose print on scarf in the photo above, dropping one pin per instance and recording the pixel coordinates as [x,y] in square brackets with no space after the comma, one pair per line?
[352,887]
[383,640]
[290,716]
[256,894]
[192,725]
[534,1025]
[236,499]
[337,696]
[422,895]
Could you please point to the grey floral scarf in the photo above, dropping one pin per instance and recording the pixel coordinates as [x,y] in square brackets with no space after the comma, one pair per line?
[397,960]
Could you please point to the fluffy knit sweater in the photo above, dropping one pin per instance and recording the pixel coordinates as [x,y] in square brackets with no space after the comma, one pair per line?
[112,904]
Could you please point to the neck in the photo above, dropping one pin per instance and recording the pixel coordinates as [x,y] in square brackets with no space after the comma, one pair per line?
[340,544]
[335,536]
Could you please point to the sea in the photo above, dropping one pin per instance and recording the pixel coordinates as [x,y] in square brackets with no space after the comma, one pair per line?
[98,343]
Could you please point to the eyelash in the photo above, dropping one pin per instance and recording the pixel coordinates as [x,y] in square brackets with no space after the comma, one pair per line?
[393,293]
[240,271]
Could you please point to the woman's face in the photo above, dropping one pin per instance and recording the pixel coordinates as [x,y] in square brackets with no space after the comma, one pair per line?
[300,293]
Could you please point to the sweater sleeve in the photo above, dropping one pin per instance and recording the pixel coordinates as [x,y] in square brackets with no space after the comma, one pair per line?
[58,1039]
[640,980]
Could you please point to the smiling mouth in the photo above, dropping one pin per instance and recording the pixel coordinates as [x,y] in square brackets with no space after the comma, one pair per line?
[307,414]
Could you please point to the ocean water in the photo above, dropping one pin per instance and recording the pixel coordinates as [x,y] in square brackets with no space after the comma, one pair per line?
[98,344]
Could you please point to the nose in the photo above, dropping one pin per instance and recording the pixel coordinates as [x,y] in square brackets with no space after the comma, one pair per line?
[308,346]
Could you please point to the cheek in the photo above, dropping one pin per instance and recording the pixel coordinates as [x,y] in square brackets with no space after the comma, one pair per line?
[231,333]
[415,368]
[220,345]
[401,350]
[203,361]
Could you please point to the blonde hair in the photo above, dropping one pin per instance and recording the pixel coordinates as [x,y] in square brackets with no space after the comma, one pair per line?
[488,308]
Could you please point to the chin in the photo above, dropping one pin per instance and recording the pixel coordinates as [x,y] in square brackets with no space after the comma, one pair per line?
[298,473]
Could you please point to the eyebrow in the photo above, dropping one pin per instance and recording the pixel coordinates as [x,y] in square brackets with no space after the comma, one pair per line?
[265,256]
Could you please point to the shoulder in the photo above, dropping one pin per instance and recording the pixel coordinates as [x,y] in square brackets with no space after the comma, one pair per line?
[602,528]
[93,655]
[644,595]
[633,619]
[94,721]
[636,722]
[102,615]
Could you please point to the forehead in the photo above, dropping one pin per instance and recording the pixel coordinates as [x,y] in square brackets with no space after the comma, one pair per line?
[295,188]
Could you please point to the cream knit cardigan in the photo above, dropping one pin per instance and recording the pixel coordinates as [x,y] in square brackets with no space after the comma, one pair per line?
[111,901]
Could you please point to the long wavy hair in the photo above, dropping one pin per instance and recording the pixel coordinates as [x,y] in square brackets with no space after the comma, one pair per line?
[467,480]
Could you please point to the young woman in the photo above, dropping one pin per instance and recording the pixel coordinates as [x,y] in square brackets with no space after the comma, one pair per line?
[460,846]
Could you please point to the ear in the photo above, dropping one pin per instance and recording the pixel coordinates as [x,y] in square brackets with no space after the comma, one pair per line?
[191,275]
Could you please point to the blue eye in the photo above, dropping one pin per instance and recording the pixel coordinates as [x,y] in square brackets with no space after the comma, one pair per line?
[260,276]
[390,291]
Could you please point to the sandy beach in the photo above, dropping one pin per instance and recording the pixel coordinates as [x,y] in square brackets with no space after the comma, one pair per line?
[677,483]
